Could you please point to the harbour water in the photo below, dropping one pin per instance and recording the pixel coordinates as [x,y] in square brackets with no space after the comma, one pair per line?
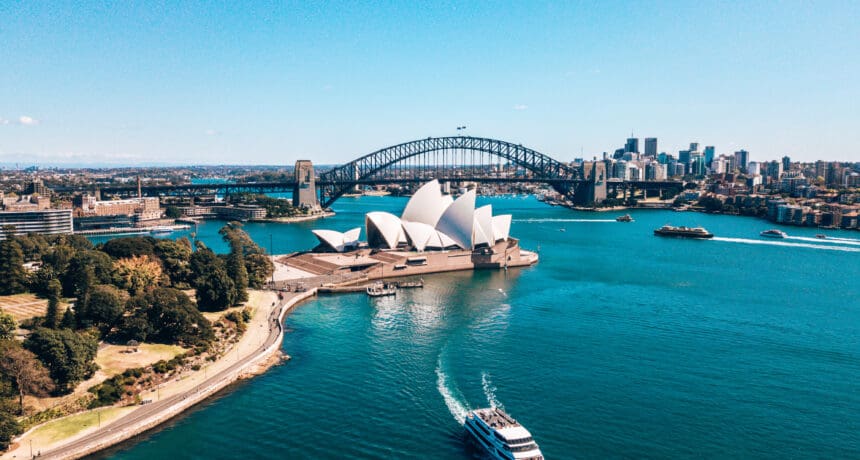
[617,344]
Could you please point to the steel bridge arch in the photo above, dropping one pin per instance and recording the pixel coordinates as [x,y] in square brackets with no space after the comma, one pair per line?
[337,181]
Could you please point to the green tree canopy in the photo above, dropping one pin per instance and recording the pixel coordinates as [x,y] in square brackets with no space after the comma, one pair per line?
[67,354]
[176,259]
[215,290]
[103,309]
[7,326]
[52,316]
[120,248]
[171,316]
[13,277]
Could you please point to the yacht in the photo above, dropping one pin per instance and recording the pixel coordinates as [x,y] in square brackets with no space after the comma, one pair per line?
[502,437]
[773,233]
[683,232]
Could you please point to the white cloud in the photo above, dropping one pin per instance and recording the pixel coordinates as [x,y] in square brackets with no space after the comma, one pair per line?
[520,107]
[212,132]
[4,121]
[29,121]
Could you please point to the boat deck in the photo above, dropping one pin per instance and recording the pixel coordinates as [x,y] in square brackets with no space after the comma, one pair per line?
[497,419]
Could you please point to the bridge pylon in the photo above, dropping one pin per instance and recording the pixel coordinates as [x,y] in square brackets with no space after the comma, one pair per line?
[305,190]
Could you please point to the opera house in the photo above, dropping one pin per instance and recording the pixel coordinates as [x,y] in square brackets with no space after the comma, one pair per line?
[435,233]
[431,221]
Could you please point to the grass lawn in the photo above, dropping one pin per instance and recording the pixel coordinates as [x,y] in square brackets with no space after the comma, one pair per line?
[23,306]
[113,359]
[59,429]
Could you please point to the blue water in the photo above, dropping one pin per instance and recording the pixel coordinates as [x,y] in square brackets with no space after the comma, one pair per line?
[617,344]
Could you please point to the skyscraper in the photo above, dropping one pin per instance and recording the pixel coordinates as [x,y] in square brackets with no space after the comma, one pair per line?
[651,146]
[709,155]
[742,158]
[786,163]
[632,145]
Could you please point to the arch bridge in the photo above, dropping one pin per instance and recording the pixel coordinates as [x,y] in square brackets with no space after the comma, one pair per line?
[455,158]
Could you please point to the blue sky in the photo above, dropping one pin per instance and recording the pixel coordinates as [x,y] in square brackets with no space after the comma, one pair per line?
[269,83]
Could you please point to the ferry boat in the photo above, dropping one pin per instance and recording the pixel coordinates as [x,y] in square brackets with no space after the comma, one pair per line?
[624,218]
[683,232]
[773,233]
[502,437]
[161,230]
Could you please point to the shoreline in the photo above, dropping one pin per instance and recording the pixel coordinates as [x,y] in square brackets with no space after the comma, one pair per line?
[143,418]
[292,220]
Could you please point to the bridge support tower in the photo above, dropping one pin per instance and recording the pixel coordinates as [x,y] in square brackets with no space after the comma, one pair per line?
[593,189]
[305,191]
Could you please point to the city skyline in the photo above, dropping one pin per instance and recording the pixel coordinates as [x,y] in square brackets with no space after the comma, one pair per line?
[207,84]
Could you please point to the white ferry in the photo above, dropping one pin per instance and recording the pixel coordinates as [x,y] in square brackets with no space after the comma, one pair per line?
[501,436]
[161,230]
[773,233]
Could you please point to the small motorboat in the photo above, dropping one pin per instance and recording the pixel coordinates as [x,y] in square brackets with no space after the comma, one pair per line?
[624,218]
[821,235]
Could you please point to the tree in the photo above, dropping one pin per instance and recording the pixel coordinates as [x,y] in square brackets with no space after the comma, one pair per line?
[104,308]
[711,204]
[52,316]
[175,258]
[171,316]
[172,212]
[258,266]
[26,372]
[86,269]
[215,290]
[9,428]
[120,248]
[67,355]
[13,277]
[7,326]
[239,274]
[137,274]
[260,269]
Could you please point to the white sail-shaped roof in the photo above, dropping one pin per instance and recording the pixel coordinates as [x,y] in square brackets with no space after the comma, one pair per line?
[483,233]
[350,238]
[419,234]
[338,241]
[383,229]
[502,226]
[426,204]
[458,220]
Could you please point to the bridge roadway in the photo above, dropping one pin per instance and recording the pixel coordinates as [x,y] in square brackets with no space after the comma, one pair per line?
[289,186]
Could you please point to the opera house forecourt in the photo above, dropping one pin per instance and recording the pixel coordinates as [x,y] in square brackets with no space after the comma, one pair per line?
[435,233]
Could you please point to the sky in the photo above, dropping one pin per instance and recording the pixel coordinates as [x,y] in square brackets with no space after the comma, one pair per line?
[271,82]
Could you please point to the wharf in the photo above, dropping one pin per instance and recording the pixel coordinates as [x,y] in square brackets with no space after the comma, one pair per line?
[127,230]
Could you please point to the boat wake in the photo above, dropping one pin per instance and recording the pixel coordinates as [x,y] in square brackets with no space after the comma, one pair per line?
[490,391]
[842,240]
[825,240]
[539,220]
[786,244]
[451,395]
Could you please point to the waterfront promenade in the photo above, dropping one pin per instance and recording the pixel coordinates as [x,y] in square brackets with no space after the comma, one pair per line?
[251,355]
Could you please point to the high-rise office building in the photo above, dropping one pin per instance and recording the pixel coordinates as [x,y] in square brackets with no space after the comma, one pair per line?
[694,146]
[786,163]
[709,155]
[742,158]
[651,146]
[632,145]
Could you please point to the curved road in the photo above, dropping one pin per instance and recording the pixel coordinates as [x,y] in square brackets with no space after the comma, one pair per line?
[84,446]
